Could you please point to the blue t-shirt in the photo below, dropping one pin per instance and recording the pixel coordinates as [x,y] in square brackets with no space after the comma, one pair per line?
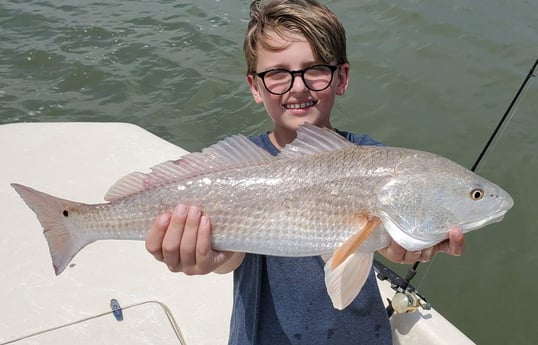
[284,301]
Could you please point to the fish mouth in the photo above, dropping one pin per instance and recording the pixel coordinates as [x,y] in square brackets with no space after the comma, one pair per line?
[299,105]
[494,218]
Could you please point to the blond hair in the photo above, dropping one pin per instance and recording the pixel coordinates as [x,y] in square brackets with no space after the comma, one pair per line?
[309,18]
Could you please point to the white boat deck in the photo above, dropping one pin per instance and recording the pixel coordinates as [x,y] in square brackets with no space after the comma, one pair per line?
[80,161]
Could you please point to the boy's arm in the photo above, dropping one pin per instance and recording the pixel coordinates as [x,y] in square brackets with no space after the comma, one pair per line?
[182,240]
[454,245]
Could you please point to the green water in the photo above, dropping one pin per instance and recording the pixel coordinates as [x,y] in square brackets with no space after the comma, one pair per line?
[435,75]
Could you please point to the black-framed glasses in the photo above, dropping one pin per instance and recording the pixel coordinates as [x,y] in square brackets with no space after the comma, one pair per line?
[279,81]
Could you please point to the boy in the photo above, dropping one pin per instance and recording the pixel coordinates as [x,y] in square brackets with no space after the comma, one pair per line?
[297,65]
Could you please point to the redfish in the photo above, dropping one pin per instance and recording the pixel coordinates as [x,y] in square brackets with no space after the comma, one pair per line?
[322,195]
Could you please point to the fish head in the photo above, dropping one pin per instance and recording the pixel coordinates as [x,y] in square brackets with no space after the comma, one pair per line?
[418,209]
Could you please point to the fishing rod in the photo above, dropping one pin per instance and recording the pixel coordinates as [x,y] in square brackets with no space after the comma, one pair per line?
[406,298]
[505,116]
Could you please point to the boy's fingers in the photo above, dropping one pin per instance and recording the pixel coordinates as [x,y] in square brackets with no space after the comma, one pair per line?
[456,242]
[188,244]
[173,237]
[182,240]
[394,253]
[454,245]
[156,235]
[204,253]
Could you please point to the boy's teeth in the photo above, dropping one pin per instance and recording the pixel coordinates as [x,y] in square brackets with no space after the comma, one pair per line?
[300,105]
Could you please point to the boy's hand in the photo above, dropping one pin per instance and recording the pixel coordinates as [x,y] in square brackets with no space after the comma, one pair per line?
[182,240]
[454,245]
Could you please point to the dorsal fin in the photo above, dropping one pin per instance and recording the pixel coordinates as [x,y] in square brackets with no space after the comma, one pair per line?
[232,152]
[311,140]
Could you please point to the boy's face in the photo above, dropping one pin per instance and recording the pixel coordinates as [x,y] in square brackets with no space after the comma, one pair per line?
[299,104]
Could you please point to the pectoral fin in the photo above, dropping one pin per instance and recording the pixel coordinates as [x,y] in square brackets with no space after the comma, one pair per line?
[354,241]
[347,270]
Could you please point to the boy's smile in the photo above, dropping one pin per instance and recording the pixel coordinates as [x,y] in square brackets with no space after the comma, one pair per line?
[299,108]
[300,104]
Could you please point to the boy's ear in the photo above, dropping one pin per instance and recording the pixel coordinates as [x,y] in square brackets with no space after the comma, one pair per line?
[343,79]
[254,89]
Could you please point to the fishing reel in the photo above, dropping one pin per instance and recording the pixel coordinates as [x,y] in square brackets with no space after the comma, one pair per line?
[406,299]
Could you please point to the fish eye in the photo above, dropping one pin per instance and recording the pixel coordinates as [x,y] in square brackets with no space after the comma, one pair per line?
[477,193]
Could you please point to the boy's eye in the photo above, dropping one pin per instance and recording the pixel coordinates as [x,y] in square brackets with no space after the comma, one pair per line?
[317,71]
[278,75]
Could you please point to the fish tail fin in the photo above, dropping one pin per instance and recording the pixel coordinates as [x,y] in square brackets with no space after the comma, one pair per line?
[52,213]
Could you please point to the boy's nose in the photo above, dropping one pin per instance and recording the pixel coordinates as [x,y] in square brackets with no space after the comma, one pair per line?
[298,84]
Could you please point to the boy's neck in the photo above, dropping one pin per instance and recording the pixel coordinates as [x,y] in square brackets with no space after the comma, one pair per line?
[281,138]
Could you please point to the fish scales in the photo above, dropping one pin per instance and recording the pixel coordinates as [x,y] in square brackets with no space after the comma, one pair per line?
[301,203]
[303,214]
